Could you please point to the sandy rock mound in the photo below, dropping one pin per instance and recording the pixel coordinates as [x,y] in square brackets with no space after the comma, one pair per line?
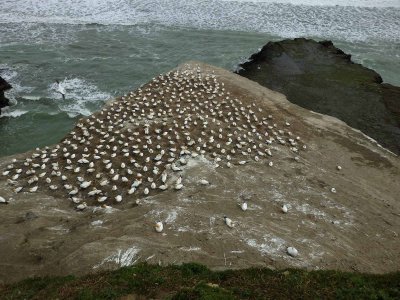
[189,148]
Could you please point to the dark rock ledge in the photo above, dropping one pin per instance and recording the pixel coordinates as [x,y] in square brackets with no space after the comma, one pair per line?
[4,86]
[322,78]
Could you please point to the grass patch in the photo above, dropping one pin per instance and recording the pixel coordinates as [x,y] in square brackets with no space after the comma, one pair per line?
[195,281]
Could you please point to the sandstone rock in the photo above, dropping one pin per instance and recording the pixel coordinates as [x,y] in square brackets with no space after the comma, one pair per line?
[331,231]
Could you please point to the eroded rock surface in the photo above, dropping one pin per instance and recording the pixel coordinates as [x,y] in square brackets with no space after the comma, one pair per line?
[4,86]
[322,78]
[346,219]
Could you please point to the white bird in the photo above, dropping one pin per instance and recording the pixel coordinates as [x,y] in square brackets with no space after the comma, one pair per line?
[93,192]
[18,189]
[159,226]
[85,184]
[118,198]
[243,206]
[104,182]
[284,208]
[292,251]
[339,168]
[73,192]
[229,222]
[146,191]
[76,200]
[163,187]
[136,183]
[33,189]
[204,182]
[333,190]
[60,89]
[175,168]
[164,177]
[81,206]
[102,199]
[3,200]
[178,186]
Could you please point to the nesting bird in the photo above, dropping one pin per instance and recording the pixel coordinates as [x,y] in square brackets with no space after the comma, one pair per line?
[3,200]
[243,206]
[159,227]
[229,222]
[292,251]
[150,134]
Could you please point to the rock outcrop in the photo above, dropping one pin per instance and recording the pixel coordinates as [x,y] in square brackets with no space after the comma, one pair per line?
[4,86]
[343,217]
[322,78]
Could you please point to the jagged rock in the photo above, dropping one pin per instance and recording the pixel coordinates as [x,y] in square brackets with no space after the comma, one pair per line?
[4,86]
[322,78]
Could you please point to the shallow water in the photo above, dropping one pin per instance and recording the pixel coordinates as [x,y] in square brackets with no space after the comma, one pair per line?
[100,49]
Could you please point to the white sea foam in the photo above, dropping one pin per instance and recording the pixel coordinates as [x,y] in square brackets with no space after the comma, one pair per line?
[79,89]
[355,3]
[80,93]
[10,112]
[336,19]
[11,75]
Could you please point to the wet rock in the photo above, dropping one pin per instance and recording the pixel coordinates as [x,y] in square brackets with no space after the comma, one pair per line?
[322,78]
[4,86]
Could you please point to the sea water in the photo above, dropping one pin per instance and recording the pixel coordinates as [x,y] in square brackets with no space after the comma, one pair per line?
[99,49]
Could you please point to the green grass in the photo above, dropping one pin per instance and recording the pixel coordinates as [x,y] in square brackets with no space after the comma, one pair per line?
[195,281]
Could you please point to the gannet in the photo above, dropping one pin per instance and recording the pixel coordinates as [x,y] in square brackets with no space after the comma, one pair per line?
[60,89]
[284,208]
[18,189]
[3,200]
[159,226]
[81,206]
[33,189]
[243,206]
[292,251]
[228,222]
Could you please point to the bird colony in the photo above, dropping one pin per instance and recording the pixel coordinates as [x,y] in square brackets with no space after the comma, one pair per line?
[139,144]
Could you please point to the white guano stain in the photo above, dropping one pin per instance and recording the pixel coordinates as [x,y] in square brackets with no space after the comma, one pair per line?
[123,258]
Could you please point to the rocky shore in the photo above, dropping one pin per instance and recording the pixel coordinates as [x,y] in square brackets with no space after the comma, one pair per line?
[4,86]
[339,187]
[322,78]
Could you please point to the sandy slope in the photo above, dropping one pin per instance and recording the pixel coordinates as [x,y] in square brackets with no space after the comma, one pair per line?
[355,228]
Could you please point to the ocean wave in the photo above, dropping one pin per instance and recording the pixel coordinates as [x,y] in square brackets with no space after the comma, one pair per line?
[336,19]
[11,75]
[82,97]
[354,3]
[78,89]
[10,112]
